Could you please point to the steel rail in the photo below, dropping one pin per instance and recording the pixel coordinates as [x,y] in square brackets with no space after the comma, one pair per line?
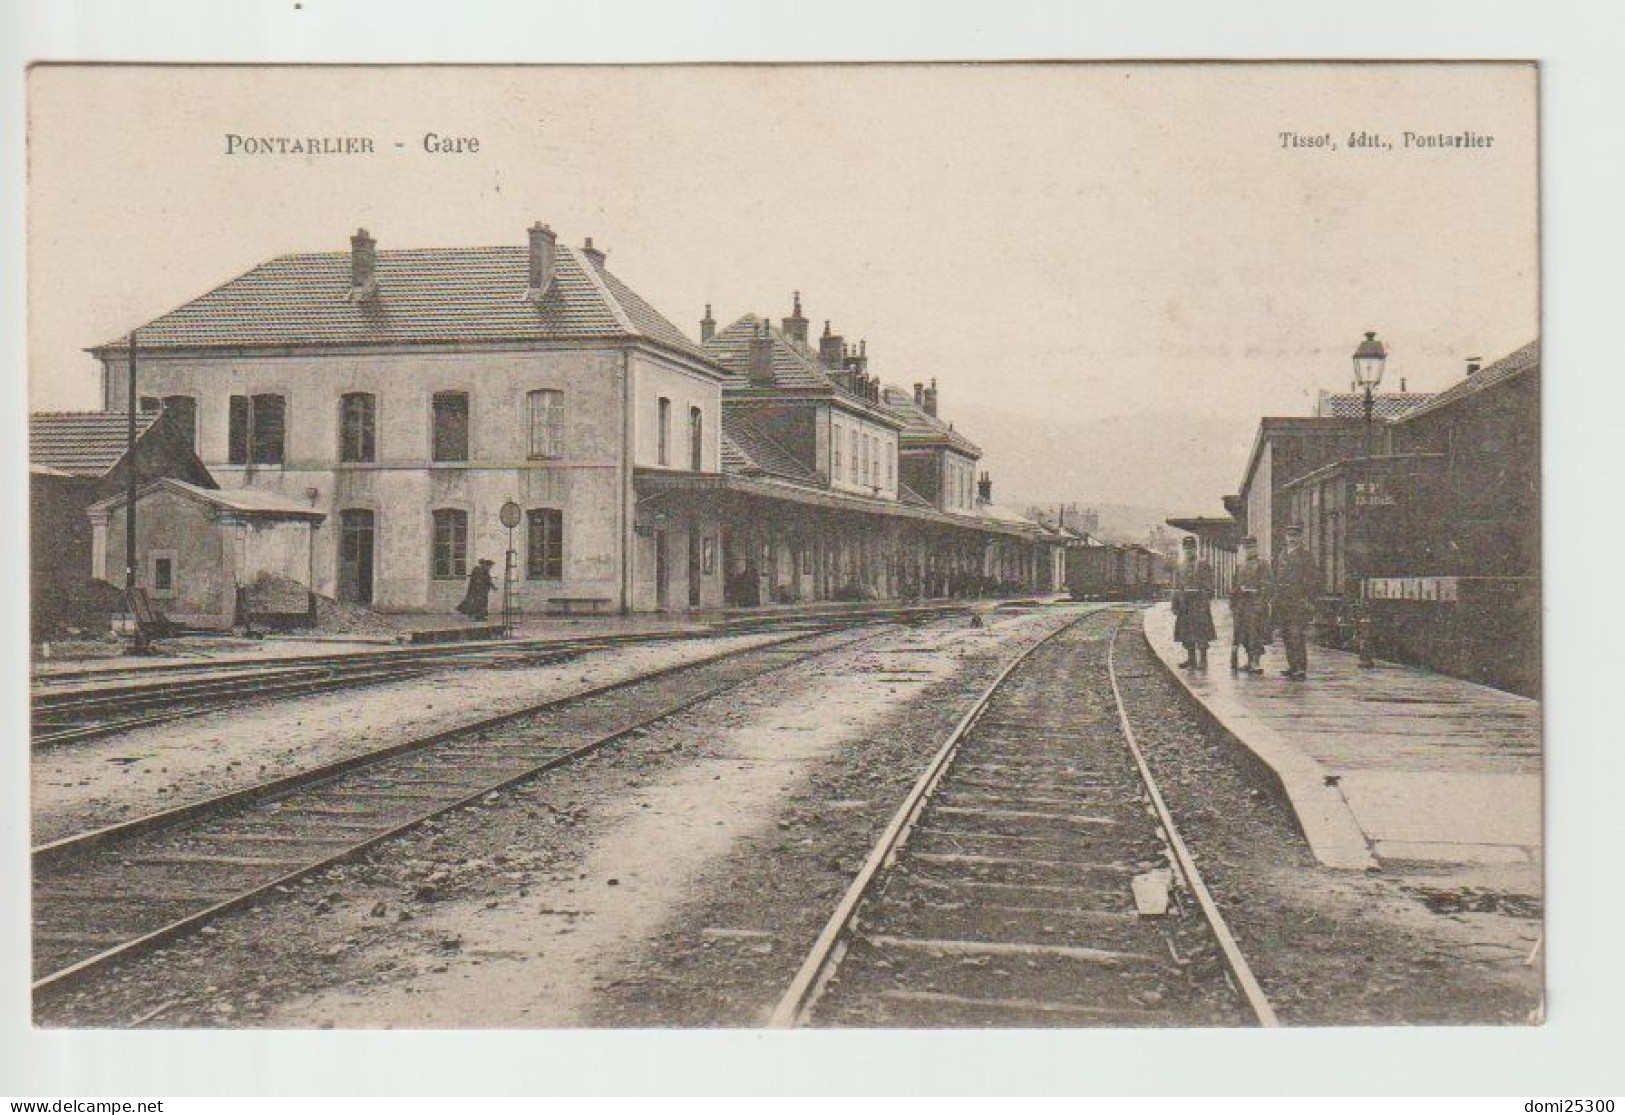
[53,852]
[827,951]
[1247,983]
[60,717]
[825,956]
[390,652]
[73,973]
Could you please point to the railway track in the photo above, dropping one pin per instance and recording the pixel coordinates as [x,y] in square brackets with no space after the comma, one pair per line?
[1020,881]
[107,895]
[85,705]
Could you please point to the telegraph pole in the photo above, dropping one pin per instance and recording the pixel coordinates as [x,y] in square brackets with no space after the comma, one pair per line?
[139,644]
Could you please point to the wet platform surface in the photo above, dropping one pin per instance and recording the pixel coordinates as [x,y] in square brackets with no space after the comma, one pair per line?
[1392,763]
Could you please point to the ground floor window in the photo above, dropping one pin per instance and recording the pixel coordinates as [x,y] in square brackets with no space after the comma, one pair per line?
[450,543]
[544,550]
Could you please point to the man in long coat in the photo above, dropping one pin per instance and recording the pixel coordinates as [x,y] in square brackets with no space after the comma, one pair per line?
[1296,585]
[1193,612]
[1249,609]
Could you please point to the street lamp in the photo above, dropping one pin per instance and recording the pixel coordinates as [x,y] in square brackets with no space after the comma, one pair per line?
[1369,359]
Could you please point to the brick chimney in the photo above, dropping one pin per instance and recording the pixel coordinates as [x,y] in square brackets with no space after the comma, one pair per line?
[831,349]
[919,395]
[984,488]
[543,254]
[1474,363]
[761,355]
[857,359]
[795,326]
[708,324]
[930,400]
[593,254]
[363,266]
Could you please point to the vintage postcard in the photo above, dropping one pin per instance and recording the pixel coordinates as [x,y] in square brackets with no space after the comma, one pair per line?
[887,545]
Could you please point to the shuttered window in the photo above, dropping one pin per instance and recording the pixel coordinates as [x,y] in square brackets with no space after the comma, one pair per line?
[258,430]
[696,439]
[184,417]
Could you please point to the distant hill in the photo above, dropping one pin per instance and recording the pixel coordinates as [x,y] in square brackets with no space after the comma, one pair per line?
[1137,470]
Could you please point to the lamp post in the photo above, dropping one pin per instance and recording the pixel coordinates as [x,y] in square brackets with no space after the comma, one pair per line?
[1369,358]
[140,643]
[510,516]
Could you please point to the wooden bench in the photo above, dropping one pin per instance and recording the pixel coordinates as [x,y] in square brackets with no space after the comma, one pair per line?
[571,605]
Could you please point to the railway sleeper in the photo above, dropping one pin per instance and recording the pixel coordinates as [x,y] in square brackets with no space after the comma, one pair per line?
[951,868]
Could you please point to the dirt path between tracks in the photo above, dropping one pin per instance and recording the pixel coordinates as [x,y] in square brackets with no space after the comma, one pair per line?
[81,786]
[589,897]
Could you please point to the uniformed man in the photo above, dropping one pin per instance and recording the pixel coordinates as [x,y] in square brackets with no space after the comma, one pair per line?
[1249,609]
[1295,586]
[1193,612]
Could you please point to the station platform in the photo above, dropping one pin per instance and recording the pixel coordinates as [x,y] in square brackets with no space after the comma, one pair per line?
[1382,765]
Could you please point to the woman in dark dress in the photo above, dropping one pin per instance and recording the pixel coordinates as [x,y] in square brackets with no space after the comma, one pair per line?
[476,601]
[1193,612]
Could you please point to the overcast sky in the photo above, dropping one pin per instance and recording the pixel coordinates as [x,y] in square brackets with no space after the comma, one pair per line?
[1071,243]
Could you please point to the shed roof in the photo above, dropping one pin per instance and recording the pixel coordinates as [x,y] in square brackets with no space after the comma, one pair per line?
[253,502]
[83,443]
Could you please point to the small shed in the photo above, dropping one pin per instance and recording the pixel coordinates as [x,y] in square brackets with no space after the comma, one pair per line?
[75,459]
[199,551]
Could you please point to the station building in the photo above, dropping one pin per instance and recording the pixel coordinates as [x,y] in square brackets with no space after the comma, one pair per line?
[1425,526]
[403,397]
[407,395]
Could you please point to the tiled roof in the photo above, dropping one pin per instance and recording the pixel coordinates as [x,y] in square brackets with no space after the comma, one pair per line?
[1350,405]
[83,443]
[908,495]
[747,450]
[794,368]
[921,426]
[424,294]
[1003,515]
[1513,364]
[252,501]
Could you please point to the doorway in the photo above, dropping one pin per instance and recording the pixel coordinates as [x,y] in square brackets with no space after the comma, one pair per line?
[694,567]
[355,556]
[662,571]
